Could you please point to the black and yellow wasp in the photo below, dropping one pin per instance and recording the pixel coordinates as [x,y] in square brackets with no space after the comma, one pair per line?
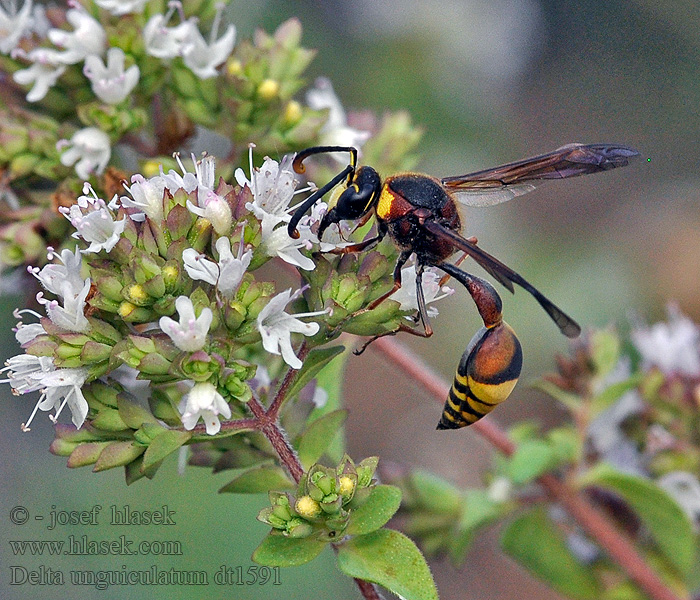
[420,215]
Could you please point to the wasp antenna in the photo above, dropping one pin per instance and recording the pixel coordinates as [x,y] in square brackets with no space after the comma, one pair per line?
[297,163]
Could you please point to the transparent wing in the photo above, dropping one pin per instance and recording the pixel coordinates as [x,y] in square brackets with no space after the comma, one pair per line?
[505,276]
[505,182]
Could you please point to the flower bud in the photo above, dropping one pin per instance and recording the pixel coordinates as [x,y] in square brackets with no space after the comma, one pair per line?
[307,507]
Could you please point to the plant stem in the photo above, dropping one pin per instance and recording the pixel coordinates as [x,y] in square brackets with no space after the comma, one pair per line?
[618,546]
[267,423]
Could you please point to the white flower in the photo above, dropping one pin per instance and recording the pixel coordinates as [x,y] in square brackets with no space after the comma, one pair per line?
[146,197]
[88,37]
[110,82]
[59,387]
[43,73]
[190,334]
[204,401]
[14,24]
[407,296]
[203,58]
[276,326]
[276,242]
[210,205]
[53,276]
[166,42]
[94,221]
[335,131]
[64,281]
[26,333]
[70,316]
[122,7]
[226,274]
[272,186]
[672,347]
[89,150]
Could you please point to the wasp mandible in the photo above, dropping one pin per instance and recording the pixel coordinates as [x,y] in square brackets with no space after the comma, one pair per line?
[419,213]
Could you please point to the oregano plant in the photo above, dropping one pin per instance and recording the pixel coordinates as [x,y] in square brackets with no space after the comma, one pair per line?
[162,324]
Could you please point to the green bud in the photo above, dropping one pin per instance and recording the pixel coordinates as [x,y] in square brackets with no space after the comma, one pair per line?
[108,419]
[23,164]
[298,528]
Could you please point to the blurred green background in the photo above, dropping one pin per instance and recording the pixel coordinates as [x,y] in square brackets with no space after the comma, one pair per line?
[490,81]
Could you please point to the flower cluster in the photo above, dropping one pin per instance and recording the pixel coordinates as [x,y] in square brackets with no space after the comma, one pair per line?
[324,501]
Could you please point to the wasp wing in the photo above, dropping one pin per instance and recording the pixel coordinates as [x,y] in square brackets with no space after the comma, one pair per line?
[506,276]
[503,183]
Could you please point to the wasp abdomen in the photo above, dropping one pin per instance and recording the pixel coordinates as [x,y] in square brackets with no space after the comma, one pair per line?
[485,377]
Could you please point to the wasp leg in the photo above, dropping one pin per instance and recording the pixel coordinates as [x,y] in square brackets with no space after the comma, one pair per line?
[491,364]
[402,329]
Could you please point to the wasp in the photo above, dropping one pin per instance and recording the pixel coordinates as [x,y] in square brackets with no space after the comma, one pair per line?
[420,215]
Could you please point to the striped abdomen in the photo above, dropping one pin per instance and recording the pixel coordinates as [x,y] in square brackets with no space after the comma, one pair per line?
[486,375]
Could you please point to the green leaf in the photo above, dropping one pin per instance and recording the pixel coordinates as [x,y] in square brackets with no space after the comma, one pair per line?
[605,351]
[434,492]
[665,520]
[375,511]
[390,559]
[313,363]
[613,392]
[530,460]
[259,480]
[537,544]
[279,551]
[318,437]
[569,400]
[117,454]
[132,413]
[164,444]
[479,510]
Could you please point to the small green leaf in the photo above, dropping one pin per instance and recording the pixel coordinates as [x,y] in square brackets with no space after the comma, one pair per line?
[279,551]
[612,393]
[318,436]
[662,516]
[537,544]
[390,559]
[434,492]
[314,362]
[132,413]
[117,454]
[605,351]
[530,460]
[164,444]
[569,400]
[479,510]
[259,480]
[375,511]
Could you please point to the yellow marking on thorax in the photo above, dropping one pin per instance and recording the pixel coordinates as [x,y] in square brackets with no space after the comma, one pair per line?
[386,199]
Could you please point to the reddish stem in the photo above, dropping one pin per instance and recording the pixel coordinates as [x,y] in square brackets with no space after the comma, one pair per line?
[620,548]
